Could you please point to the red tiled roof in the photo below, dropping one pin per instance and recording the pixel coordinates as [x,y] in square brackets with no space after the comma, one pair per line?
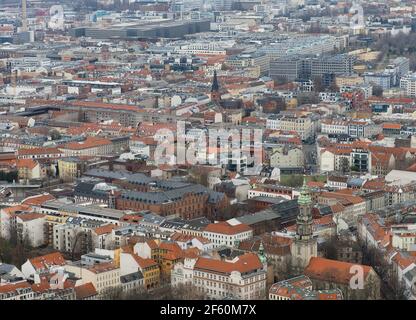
[332,270]
[104,229]
[244,263]
[224,227]
[144,263]
[26,163]
[38,151]
[90,142]
[342,196]
[20,207]
[9,288]
[84,291]
[30,216]
[388,125]
[52,259]
[38,199]
[103,267]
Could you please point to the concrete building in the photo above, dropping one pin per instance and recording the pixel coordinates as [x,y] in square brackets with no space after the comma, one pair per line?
[301,67]
[242,278]
[286,157]
[227,233]
[144,30]
[334,274]
[408,84]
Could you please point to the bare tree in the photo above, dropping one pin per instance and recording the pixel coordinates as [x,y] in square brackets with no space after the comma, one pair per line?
[81,243]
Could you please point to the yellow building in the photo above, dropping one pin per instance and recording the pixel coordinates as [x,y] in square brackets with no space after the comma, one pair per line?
[69,169]
[348,80]
[28,169]
[103,276]
[51,221]
[150,270]
[292,103]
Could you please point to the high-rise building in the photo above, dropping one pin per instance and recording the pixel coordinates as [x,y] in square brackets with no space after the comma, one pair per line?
[307,67]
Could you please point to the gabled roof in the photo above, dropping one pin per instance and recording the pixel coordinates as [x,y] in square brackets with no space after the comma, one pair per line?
[84,291]
[103,267]
[144,263]
[332,270]
[245,263]
[26,163]
[224,227]
[30,216]
[13,287]
[108,228]
[38,200]
[46,261]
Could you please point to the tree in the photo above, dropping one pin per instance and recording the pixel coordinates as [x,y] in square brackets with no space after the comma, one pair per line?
[285,269]
[8,176]
[166,292]
[344,165]
[81,243]
[318,84]
[112,293]
[307,98]
[55,134]
[198,176]
[377,91]
[231,211]
[355,168]
[330,249]
[293,180]
[16,249]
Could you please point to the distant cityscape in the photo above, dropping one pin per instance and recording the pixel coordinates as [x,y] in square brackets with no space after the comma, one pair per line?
[207,150]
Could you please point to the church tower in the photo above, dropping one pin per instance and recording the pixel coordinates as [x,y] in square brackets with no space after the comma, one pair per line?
[305,244]
[215,89]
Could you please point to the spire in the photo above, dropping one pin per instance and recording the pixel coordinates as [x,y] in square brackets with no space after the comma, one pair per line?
[215,86]
[305,197]
[261,254]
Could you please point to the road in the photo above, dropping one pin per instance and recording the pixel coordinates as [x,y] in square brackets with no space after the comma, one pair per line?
[309,152]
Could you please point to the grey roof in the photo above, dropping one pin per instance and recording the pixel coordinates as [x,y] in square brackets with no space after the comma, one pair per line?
[197,223]
[272,200]
[93,255]
[176,223]
[86,189]
[137,178]
[285,210]
[411,274]
[258,217]
[157,197]
[102,173]
[131,277]
[6,268]
[91,211]
[152,218]
[355,182]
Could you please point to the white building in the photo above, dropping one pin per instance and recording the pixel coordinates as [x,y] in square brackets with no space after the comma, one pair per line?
[334,126]
[103,276]
[227,233]
[244,277]
[408,84]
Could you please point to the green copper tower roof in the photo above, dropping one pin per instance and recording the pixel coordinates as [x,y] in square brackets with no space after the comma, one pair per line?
[261,254]
[305,198]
